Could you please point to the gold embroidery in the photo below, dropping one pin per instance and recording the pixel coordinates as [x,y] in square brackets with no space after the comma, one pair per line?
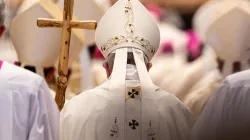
[130,30]
[134,91]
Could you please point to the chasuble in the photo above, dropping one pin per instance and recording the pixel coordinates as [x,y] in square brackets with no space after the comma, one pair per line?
[83,117]
[128,106]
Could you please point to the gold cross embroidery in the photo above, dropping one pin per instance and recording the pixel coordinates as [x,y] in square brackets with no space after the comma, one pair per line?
[137,90]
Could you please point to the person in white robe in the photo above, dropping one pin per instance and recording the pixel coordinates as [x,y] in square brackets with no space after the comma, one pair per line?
[170,63]
[180,57]
[28,112]
[38,49]
[229,41]
[226,117]
[128,106]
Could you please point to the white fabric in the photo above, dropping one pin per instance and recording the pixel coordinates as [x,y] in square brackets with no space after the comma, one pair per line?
[168,72]
[41,46]
[104,4]
[83,116]
[229,39]
[86,10]
[133,26]
[116,95]
[28,112]
[129,32]
[126,109]
[86,69]
[226,117]
[178,77]
[149,101]
[202,91]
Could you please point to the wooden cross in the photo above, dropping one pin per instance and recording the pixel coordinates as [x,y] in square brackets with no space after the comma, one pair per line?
[67,24]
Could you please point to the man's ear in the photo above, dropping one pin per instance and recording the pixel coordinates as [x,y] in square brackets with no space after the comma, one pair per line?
[149,66]
[2,30]
[105,65]
[112,2]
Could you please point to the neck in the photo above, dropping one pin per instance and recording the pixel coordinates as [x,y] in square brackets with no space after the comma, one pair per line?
[228,67]
[42,71]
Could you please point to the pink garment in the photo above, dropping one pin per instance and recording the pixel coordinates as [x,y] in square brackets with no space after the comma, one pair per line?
[167,47]
[193,44]
[1,63]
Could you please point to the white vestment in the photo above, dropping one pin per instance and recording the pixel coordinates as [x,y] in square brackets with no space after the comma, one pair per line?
[83,116]
[178,77]
[28,112]
[202,91]
[226,116]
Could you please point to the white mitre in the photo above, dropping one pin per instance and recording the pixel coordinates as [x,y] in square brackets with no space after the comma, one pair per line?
[85,10]
[120,29]
[41,46]
[104,4]
[225,25]
[128,26]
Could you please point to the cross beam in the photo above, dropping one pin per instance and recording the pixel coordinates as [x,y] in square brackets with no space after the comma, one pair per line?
[66,24]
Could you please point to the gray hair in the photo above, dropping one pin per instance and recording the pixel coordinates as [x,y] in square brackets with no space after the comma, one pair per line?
[2,12]
[130,60]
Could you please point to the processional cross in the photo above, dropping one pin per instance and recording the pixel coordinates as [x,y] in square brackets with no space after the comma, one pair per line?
[66,24]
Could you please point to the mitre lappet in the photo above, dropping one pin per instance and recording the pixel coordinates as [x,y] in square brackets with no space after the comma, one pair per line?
[39,48]
[129,27]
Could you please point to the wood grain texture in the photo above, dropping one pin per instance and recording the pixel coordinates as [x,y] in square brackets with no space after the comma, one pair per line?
[89,25]
[62,80]
[43,22]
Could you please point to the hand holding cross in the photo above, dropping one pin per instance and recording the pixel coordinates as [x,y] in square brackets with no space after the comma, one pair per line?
[67,24]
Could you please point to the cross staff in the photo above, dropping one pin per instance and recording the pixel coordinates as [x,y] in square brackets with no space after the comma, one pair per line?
[67,24]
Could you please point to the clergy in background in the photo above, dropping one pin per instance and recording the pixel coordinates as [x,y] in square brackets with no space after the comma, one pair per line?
[28,112]
[128,106]
[179,57]
[228,41]
[227,115]
[181,5]
[38,49]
